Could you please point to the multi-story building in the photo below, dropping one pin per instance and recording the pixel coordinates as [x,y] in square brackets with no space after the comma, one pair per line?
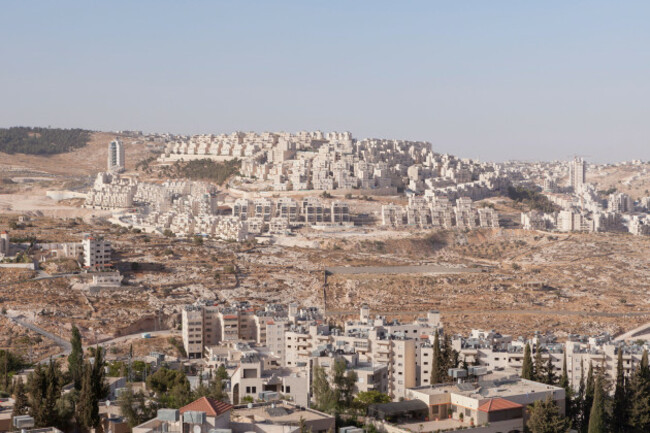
[577,173]
[116,162]
[96,253]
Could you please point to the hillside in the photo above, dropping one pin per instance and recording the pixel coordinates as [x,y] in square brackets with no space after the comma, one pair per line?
[41,141]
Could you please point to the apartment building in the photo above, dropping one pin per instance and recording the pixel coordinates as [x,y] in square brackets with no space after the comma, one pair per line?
[116,161]
[96,253]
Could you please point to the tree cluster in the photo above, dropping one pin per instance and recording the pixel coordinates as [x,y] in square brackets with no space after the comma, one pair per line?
[444,358]
[41,141]
[533,199]
[203,169]
[598,406]
[337,397]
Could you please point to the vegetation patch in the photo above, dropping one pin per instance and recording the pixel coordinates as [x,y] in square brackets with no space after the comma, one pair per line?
[41,141]
[203,169]
[533,199]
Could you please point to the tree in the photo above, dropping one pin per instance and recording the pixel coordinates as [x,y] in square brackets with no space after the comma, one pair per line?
[640,397]
[578,403]
[568,390]
[545,418]
[75,359]
[538,369]
[588,401]
[436,366]
[597,415]
[21,405]
[344,381]
[620,409]
[323,393]
[133,407]
[550,377]
[366,398]
[87,410]
[222,373]
[171,387]
[527,365]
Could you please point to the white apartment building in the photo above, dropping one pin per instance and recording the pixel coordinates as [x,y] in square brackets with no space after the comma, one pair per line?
[116,163]
[96,253]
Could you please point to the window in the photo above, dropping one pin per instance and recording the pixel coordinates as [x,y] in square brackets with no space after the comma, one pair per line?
[248,390]
[254,389]
[287,389]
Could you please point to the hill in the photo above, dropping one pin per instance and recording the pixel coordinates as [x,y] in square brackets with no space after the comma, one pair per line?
[41,141]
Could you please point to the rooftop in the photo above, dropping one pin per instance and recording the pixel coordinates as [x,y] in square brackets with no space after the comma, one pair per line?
[282,413]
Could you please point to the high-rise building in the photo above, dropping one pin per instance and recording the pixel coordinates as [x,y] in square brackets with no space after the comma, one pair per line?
[577,173]
[116,156]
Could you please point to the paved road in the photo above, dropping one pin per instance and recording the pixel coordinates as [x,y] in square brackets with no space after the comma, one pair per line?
[635,333]
[42,276]
[64,344]
[407,269]
[513,312]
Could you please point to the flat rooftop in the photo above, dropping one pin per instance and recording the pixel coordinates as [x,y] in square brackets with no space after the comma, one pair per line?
[278,413]
[490,389]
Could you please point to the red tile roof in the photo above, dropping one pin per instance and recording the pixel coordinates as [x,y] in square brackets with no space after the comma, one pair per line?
[497,404]
[210,406]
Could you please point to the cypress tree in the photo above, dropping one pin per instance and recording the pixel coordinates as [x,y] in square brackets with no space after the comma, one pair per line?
[436,366]
[87,412]
[578,402]
[538,368]
[75,359]
[21,405]
[639,417]
[568,391]
[597,416]
[527,365]
[549,370]
[589,398]
[619,413]
[545,418]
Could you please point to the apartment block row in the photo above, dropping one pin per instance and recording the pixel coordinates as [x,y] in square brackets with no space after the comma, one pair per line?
[438,212]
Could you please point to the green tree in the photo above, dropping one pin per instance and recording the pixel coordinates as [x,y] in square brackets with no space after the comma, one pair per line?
[171,387]
[366,398]
[133,407]
[588,401]
[436,362]
[578,402]
[549,377]
[87,410]
[222,373]
[21,405]
[344,381]
[620,409]
[75,359]
[324,395]
[538,368]
[640,397]
[568,390]
[545,418]
[597,415]
[527,364]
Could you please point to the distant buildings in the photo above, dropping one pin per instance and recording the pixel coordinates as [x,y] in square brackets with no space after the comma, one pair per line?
[4,244]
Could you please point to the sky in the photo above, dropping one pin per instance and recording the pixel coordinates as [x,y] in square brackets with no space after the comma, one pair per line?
[495,80]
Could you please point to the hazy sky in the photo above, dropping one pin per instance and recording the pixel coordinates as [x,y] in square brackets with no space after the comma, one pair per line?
[489,79]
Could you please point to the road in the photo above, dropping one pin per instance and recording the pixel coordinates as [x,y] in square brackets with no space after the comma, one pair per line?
[64,344]
[513,312]
[406,269]
[67,347]
[635,333]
